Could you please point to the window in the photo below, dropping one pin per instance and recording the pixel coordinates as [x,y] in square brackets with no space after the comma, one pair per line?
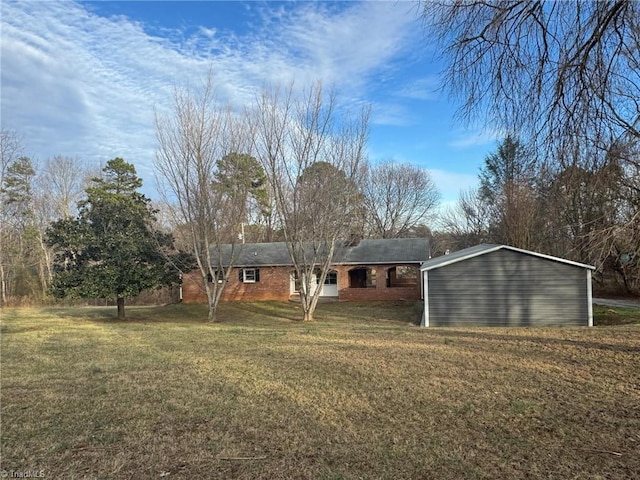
[331,278]
[219,275]
[402,276]
[249,275]
[362,277]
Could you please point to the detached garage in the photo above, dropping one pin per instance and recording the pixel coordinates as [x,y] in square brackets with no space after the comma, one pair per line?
[498,285]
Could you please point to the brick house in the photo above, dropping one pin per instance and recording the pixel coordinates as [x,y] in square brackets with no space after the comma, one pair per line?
[382,269]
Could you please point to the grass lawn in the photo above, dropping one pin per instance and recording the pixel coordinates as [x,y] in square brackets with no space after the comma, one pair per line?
[360,393]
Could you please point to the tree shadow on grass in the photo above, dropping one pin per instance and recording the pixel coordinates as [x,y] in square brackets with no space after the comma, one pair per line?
[259,311]
[587,344]
[399,312]
[134,314]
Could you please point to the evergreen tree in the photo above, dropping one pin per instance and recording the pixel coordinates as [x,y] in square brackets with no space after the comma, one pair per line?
[508,187]
[111,249]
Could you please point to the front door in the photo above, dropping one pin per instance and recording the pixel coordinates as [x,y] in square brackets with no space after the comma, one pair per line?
[330,286]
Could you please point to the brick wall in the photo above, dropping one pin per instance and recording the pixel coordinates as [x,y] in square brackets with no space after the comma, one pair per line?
[275,284]
[192,288]
[380,291]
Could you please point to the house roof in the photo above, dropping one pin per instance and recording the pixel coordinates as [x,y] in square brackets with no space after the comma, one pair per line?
[485,248]
[378,251]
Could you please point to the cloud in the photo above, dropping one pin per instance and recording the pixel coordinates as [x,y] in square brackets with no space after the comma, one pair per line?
[80,84]
[425,88]
[340,45]
[476,138]
[391,114]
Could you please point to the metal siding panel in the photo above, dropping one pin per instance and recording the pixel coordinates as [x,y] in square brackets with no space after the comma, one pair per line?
[507,288]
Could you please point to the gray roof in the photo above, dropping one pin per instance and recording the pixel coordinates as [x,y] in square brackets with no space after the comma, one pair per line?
[484,248]
[379,251]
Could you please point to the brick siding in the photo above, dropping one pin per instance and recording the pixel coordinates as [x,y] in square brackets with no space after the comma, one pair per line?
[380,291]
[274,284]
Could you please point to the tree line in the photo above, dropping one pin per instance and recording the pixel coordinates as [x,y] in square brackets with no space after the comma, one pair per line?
[225,178]
[294,169]
[561,79]
[589,215]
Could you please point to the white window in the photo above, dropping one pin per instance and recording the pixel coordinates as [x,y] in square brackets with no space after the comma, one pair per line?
[250,275]
[331,278]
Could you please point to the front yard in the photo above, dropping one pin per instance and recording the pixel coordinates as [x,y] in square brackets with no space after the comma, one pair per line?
[360,393]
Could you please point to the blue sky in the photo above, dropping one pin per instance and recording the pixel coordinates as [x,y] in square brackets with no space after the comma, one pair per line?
[85,78]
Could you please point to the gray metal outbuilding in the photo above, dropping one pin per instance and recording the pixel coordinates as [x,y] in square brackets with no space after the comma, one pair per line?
[499,285]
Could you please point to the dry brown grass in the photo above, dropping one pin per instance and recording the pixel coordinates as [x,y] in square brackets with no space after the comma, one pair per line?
[360,393]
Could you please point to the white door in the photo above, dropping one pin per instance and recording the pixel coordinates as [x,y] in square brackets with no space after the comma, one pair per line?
[330,286]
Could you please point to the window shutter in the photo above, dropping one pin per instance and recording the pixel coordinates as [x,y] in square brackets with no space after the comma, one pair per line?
[257,274]
[240,275]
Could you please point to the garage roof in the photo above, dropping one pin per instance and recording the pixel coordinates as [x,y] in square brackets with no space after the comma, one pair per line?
[485,248]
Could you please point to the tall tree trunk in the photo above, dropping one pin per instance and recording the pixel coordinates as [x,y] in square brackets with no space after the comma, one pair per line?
[44,266]
[120,308]
[3,286]
[213,296]
[3,273]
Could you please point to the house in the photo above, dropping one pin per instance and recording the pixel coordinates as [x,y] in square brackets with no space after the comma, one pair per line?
[498,285]
[381,269]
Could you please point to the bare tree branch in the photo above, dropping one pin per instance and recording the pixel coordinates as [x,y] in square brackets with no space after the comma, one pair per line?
[561,72]
[397,198]
[191,141]
[311,153]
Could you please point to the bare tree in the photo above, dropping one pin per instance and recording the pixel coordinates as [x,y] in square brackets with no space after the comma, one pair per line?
[62,181]
[59,186]
[566,73]
[11,149]
[468,222]
[312,155]
[191,141]
[609,214]
[397,198]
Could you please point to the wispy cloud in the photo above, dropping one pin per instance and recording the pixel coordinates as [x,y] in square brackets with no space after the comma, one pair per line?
[391,114]
[475,138]
[342,44]
[77,83]
[425,88]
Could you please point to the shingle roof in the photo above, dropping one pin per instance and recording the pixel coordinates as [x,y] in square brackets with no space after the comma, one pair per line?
[378,251]
[484,248]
